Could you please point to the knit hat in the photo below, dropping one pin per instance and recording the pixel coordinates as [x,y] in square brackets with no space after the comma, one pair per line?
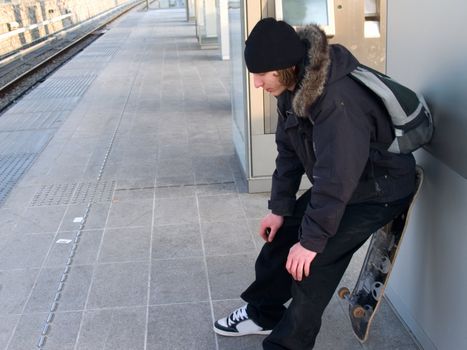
[272,45]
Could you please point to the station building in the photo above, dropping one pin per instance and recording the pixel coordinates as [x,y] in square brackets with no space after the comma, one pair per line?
[422,45]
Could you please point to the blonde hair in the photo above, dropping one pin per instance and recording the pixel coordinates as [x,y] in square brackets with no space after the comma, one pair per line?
[288,76]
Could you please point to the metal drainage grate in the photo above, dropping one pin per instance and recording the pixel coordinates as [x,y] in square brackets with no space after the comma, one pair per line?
[75,193]
[12,167]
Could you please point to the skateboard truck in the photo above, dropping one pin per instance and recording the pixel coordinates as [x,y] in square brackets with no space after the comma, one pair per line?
[384,265]
[357,311]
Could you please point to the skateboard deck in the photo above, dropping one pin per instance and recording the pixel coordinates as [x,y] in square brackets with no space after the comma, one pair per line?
[374,275]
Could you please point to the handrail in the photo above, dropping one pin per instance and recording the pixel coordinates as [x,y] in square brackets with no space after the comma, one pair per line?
[7,35]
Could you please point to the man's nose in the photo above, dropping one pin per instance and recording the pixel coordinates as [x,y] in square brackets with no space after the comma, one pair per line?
[257,81]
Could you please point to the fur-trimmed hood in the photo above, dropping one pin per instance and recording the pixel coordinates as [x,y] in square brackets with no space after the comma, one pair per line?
[324,63]
[316,69]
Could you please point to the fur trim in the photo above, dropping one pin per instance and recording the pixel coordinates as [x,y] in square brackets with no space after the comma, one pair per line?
[316,70]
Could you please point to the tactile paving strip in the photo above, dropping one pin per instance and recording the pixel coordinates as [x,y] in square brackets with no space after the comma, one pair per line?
[12,167]
[34,105]
[24,141]
[75,193]
[62,87]
[100,51]
[31,121]
[94,192]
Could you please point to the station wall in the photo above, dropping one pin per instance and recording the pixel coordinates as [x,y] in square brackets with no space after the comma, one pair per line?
[426,49]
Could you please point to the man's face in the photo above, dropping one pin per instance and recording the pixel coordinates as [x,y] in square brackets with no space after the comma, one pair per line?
[269,81]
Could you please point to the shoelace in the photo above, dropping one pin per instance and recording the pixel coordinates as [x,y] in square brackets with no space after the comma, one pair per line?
[237,316]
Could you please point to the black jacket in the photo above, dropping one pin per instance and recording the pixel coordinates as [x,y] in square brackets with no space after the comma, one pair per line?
[337,132]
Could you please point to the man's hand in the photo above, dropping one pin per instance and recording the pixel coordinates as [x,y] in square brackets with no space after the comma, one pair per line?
[269,226]
[299,261]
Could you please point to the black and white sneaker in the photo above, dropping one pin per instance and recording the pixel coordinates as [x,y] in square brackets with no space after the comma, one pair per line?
[237,324]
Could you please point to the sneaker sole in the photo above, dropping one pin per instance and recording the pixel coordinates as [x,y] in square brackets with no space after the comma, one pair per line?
[237,334]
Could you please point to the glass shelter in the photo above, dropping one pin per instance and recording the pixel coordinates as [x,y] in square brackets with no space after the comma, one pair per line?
[357,24]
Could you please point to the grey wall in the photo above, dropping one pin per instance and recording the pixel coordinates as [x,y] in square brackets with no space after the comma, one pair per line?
[427,50]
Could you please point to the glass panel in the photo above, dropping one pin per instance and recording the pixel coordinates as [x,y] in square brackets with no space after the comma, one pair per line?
[371,8]
[206,23]
[238,84]
[270,114]
[301,12]
[372,20]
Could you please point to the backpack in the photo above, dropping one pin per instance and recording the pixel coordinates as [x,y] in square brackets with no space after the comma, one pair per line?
[410,115]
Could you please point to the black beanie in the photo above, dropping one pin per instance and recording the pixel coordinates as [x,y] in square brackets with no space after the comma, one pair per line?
[272,45]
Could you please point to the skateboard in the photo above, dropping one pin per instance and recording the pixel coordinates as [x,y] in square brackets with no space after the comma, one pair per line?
[374,275]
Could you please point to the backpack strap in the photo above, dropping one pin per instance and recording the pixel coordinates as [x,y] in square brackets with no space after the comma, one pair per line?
[410,116]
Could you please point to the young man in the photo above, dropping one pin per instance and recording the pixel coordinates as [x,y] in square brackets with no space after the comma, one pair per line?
[336,132]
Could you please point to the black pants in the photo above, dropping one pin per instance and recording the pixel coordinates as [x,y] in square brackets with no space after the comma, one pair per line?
[296,327]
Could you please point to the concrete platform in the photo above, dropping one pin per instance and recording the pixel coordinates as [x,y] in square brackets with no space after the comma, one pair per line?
[125,223]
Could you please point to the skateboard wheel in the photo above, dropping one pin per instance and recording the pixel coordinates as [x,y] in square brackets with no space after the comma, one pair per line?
[343,292]
[358,311]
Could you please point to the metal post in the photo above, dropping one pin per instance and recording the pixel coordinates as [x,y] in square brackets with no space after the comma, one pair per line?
[147,5]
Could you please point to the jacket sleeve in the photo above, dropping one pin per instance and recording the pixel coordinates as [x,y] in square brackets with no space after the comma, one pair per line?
[287,175]
[341,141]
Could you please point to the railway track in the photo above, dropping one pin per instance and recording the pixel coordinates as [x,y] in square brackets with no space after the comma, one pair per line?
[20,75]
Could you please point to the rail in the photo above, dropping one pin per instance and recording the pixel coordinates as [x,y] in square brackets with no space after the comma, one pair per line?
[36,66]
